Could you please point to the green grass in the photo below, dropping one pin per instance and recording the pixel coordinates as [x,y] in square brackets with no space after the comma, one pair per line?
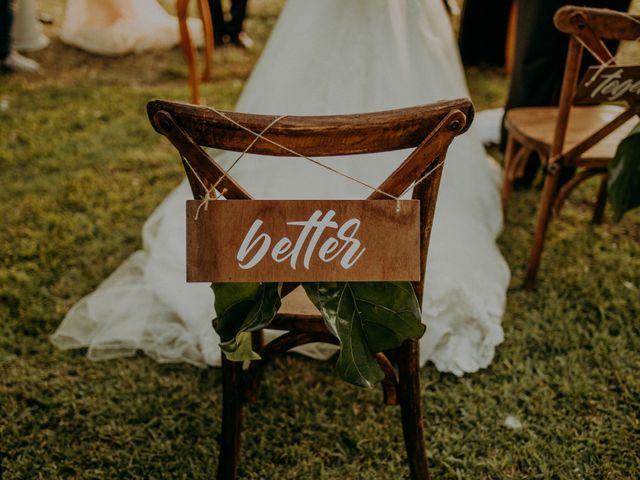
[81,169]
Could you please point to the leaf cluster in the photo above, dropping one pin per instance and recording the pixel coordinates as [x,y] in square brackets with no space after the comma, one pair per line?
[366,317]
[624,175]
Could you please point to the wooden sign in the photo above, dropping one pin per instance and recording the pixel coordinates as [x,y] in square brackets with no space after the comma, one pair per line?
[609,84]
[303,241]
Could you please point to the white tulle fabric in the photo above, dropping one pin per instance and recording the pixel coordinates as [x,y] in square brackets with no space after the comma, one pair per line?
[327,57]
[116,27]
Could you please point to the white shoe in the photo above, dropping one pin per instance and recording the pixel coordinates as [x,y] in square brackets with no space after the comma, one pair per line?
[19,63]
[243,41]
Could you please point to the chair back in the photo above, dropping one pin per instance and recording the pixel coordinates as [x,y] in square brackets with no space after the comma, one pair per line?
[427,128]
[589,27]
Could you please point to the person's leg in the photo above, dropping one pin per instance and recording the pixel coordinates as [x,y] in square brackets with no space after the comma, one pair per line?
[11,60]
[217,19]
[238,13]
[236,33]
[6,22]
[540,55]
[538,66]
[483,32]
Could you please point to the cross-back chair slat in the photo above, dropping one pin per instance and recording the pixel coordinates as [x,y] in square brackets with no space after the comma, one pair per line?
[588,28]
[314,136]
[607,24]
[429,129]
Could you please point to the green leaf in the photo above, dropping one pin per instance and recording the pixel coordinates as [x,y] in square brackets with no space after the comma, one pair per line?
[367,317]
[624,175]
[242,308]
[243,349]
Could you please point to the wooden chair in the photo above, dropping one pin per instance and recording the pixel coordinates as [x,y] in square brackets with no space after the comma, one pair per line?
[189,48]
[429,128]
[578,140]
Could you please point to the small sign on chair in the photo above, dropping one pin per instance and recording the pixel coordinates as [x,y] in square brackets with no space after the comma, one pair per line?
[609,84]
[303,240]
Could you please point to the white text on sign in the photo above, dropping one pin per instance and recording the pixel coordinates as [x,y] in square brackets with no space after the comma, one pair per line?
[303,241]
[344,243]
[609,84]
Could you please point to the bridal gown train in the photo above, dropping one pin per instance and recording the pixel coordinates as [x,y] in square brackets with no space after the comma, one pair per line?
[327,57]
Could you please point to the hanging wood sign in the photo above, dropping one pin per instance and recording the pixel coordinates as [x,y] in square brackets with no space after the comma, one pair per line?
[609,84]
[303,240]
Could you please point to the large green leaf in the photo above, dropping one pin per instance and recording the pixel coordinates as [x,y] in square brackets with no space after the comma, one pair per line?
[243,308]
[624,175]
[243,349]
[367,317]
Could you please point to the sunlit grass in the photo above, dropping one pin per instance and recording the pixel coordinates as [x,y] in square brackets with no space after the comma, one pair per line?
[81,170]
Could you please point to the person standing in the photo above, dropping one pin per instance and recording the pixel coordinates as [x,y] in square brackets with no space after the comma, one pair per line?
[483,32]
[10,59]
[230,31]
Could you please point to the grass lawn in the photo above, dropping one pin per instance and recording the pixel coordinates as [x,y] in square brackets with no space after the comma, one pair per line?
[81,169]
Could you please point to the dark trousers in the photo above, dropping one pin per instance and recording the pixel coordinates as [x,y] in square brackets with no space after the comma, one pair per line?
[541,52]
[6,22]
[483,31]
[233,27]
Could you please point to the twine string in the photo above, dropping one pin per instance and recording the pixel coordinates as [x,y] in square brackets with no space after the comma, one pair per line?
[601,67]
[305,157]
[612,60]
[423,178]
[208,191]
[257,137]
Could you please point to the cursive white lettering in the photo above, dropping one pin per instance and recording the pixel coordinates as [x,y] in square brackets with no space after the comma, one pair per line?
[352,255]
[248,244]
[318,225]
[613,87]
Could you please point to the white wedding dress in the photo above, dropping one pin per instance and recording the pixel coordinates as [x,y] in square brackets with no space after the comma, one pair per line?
[116,27]
[327,57]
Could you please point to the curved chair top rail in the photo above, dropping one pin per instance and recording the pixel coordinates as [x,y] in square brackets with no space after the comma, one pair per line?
[604,23]
[313,135]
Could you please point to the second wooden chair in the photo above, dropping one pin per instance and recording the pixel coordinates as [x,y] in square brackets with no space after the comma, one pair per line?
[574,141]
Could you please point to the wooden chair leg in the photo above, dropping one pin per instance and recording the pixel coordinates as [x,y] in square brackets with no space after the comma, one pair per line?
[601,201]
[522,160]
[189,50]
[507,179]
[232,401]
[544,216]
[411,408]
[207,31]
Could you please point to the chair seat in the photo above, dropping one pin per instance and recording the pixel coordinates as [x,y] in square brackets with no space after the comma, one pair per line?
[298,303]
[535,127]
